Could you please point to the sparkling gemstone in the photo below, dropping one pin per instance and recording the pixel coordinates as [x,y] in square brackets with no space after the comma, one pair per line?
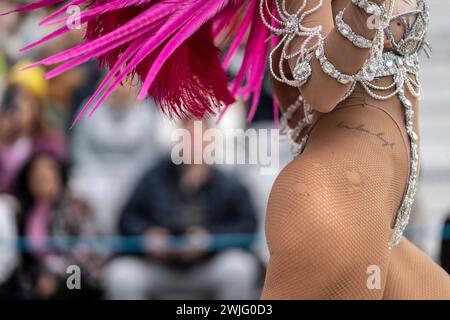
[360,41]
[370,70]
[344,79]
[371,67]
[345,31]
[328,67]
[389,63]
[318,53]
[373,9]
[407,103]
[400,62]
[302,71]
[292,24]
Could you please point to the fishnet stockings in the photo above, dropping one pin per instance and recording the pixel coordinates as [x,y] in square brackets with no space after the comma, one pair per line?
[331,210]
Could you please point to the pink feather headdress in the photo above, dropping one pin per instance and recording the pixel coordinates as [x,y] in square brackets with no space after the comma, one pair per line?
[170,45]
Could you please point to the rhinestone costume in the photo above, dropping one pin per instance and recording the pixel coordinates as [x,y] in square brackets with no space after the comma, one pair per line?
[399,63]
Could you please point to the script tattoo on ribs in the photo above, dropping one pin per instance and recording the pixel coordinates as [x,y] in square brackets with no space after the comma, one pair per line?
[362,128]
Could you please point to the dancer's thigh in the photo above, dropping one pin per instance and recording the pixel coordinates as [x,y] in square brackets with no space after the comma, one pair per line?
[331,210]
[414,275]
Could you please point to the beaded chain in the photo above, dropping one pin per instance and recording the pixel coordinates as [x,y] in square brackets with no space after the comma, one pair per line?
[398,64]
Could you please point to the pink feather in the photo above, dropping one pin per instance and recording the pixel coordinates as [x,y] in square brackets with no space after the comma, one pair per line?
[170,45]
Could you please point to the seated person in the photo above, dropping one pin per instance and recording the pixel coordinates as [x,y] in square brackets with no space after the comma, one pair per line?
[24,129]
[210,212]
[54,222]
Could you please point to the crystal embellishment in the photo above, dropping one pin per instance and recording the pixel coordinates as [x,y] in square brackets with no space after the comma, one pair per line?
[303,70]
[292,24]
[329,69]
[397,65]
[404,211]
[369,7]
[344,79]
[348,33]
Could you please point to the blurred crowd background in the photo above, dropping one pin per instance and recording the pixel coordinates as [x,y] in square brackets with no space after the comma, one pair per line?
[106,197]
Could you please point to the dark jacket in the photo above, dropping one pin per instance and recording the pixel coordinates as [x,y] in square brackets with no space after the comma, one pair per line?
[221,206]
[445,246]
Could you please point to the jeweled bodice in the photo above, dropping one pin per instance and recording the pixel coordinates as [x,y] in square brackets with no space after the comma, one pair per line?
[414,16]
[399,61]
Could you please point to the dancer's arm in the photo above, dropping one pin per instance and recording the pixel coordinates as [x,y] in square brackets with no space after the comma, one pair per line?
[341,52]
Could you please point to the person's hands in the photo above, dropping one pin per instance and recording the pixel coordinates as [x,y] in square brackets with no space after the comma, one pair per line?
[158,243]
[197,241]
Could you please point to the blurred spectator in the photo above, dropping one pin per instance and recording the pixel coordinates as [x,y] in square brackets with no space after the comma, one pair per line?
[23,129]
[196,203]
[445,246]
[60,108]
[3,71]
[111,150]
[19,30]
[8,250]
[67,92]
[9,29]
[90,76]
[53,221]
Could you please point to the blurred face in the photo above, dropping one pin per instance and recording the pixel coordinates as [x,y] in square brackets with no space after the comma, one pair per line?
[20,117]
[27,112]
[123,96]
[197,142]
[45,182]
